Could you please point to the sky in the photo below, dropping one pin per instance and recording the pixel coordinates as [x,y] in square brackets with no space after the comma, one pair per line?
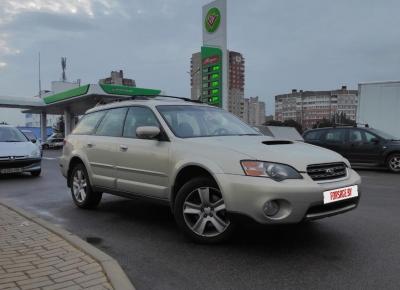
[287,44]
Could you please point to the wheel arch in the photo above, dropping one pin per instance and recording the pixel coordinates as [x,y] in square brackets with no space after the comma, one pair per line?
[72,162]
[187,172]
[390,153]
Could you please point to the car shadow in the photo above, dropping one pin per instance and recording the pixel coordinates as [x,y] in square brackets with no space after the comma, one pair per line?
[158,218]
[21,176]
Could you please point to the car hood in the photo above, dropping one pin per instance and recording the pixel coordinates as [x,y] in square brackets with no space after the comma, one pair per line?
[16,148]
[296,154]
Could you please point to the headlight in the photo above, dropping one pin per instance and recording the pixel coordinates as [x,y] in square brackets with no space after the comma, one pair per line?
[35,153]
[276,171]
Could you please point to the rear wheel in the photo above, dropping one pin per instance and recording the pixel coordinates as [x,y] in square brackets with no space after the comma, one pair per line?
[393,162]
[200,211]
[81,190]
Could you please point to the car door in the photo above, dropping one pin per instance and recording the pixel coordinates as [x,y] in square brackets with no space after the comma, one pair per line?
[364,146]
[335,139]
[142,165]
[104,147]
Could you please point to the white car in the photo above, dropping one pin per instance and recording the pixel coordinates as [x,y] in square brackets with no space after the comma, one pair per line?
[31,136]
[53,143]
[17,153]
[206,164]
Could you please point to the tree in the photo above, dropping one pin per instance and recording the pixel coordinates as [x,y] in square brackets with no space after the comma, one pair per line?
[338,119]
[59,126]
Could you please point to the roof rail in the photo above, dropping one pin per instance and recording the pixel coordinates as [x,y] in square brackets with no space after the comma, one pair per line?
[362,124]
[157,96]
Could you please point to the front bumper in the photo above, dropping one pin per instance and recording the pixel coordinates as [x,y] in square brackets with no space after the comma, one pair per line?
[20,165]
[299,199]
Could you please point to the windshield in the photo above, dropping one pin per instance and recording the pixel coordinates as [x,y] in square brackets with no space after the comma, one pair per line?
[10,134]
[29,135]
[383,135]
[202,121]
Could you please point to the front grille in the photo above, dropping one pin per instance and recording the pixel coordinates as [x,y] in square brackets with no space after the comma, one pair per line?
[17,163]
[327,171]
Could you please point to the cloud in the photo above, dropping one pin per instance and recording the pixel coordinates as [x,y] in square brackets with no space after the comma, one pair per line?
[68,15]
[33,21]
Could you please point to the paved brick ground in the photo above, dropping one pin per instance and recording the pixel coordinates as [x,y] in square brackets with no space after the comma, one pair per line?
[31,257]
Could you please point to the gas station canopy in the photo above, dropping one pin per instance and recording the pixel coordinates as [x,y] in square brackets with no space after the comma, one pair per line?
[78,100]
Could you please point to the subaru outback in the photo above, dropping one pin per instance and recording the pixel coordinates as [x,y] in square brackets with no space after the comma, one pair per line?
[206,164]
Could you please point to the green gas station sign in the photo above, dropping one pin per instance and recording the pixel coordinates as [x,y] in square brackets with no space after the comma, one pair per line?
[211,67]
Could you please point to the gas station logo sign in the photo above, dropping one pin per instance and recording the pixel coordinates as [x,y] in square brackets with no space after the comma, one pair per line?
[212,20]
[211,60]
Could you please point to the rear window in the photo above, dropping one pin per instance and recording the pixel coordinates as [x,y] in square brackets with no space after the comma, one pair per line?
[88,123]
[112,123]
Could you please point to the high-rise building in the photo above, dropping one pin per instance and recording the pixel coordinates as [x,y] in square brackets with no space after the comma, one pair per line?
[310,107]
[254,111]
[117,78]
[236,81]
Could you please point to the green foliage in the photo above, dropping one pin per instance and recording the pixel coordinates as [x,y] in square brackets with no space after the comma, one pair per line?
[336,120]
[59,126]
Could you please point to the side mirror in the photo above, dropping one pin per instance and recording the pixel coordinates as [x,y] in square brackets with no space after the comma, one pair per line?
[33,141]
[147,132]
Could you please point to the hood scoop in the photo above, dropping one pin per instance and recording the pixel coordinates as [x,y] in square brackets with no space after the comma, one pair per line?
[277,142]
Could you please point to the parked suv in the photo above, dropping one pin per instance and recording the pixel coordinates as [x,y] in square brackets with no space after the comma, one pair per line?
[360,145]
[206,164]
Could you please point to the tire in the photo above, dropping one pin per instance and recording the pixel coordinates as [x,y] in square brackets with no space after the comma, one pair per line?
[199,211]
[393,162]
[81,189]
[36,173]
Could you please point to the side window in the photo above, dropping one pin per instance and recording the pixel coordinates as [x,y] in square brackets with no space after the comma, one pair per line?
[335,136]
[88,124]
[313,135]
[355,136]
[138,117]
[369,137]
[112,123]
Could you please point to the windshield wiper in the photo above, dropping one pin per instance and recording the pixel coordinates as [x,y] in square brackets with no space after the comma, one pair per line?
[250,134]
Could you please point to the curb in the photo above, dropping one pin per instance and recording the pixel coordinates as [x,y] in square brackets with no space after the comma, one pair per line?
[112,269]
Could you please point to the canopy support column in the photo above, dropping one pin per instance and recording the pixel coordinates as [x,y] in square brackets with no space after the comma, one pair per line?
[43,126]
[67,122]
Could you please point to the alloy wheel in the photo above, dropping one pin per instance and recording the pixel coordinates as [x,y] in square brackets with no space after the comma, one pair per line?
[79,185]
[204,212]
[394,163]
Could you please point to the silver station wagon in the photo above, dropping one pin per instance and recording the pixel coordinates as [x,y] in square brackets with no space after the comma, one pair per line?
[206,164]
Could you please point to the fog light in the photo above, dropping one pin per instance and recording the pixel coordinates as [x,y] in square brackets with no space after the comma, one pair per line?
[271,208]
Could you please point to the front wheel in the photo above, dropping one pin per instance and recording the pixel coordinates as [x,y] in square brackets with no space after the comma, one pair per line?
[81,190]
[200,211]
[393,162]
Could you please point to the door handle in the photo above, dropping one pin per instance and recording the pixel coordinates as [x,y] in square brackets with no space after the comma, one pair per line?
[123,147]
[89,145]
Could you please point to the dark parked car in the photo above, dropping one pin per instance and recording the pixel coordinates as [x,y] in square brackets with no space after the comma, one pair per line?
[364,146]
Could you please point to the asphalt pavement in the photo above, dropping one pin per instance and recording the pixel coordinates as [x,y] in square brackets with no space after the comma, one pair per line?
[356,250]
